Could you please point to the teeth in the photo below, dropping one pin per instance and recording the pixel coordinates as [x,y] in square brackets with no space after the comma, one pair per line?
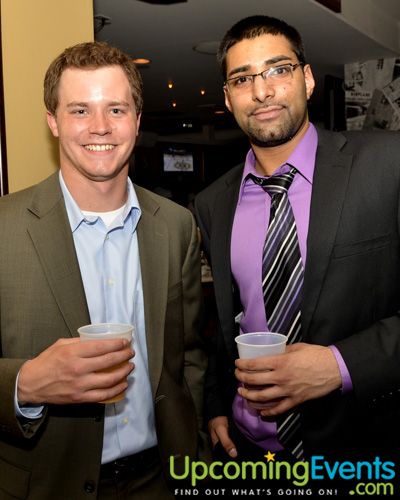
[99,147]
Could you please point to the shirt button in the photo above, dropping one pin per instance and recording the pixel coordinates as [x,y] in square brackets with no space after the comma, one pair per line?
[111,281]
[125,420]
[89,486]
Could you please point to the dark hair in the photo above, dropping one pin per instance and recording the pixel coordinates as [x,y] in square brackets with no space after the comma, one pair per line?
[91,55]
[254,26]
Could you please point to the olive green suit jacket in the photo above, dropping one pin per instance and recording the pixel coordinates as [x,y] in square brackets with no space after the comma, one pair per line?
[42,299]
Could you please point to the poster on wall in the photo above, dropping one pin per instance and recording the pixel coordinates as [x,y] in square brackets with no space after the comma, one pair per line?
[372,94]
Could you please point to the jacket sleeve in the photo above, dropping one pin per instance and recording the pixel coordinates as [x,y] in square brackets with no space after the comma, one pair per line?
[9,423]
[219,374]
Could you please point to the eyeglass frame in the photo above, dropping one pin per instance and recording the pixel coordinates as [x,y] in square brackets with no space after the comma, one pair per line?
[268,70]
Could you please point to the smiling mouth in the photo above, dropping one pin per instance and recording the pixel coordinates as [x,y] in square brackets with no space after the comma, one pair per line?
[99,147]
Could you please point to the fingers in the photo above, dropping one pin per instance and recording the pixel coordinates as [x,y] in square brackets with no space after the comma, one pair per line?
[227,443]
[72,371]
[102,385]
[283,406]
[94,355]
[262,363]
[95,348]
[260,378]
[107,360]
[219,432]
[260,397]
[110,377]
[102,395]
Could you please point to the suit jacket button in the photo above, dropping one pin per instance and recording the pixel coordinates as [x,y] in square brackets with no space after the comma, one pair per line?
[89,486]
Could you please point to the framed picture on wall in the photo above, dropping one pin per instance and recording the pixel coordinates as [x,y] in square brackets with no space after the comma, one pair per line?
[178,160]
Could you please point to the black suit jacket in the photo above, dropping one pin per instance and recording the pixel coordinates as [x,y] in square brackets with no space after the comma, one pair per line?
[351,294]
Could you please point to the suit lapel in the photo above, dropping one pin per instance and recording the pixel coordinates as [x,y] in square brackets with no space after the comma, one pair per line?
[331,175]
[223,214]
[154,257]
[51,236]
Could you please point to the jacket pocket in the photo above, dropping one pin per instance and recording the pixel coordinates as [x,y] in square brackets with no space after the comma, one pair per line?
[14,481]
[361,247]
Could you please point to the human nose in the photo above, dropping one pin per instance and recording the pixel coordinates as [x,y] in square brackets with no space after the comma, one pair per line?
[100,124]
[262,88]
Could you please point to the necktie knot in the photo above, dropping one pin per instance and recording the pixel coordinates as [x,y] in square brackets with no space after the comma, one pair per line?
[276,184]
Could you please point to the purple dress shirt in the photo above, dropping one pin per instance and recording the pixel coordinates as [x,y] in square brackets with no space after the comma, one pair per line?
[248,234]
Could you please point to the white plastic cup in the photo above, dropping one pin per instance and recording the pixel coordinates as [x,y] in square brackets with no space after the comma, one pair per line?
[107,331]
[256,344]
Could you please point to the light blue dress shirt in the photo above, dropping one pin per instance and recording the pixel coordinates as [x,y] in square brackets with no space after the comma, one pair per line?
[110,268]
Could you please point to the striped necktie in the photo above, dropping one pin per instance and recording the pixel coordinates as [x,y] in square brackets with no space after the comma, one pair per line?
[282,281]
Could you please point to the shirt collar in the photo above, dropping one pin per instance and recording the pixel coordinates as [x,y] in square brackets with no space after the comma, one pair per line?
[130,215]
[302,158]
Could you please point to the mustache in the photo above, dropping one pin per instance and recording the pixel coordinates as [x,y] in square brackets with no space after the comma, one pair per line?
[266,107]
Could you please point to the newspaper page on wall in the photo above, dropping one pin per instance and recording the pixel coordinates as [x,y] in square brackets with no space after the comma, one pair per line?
[372,93]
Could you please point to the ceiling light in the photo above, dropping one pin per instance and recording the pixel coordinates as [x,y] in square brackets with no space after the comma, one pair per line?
[141,61]
[202,92]
[174,104]
[208,47]
[170,85]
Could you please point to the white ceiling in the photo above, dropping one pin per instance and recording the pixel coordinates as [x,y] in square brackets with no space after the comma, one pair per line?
[167,34]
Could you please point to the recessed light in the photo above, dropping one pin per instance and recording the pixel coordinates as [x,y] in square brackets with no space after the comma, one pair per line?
[202,92]
[141,61]
[208,47]
[170,85]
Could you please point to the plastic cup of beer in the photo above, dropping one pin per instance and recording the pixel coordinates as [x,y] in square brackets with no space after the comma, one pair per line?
[107,331]
[256,344]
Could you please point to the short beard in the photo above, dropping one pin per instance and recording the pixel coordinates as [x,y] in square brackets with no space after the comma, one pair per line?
[271,141]
[271,138]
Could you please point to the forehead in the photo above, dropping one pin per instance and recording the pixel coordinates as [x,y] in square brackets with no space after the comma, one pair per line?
[255,51]
[81,83]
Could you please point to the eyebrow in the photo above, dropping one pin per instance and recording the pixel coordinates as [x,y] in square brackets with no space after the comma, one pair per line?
[75,104]
[268,62]
[82,104]
[119,103]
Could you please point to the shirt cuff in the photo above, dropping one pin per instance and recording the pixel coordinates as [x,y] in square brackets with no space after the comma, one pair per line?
[30,412]
[347,384]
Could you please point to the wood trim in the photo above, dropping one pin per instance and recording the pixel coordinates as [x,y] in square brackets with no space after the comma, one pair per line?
[3,149]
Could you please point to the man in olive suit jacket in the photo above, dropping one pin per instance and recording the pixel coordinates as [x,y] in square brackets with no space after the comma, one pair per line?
[70,251]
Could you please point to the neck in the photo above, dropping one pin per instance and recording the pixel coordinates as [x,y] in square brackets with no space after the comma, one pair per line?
[97,196]
[270,159]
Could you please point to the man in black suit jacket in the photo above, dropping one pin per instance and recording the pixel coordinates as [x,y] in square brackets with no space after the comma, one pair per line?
[348,395]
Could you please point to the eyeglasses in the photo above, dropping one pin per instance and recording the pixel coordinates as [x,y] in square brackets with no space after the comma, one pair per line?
[276,75]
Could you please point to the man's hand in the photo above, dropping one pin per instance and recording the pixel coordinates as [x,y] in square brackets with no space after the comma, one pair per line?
[303,372]
[218,429]
[69,371]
